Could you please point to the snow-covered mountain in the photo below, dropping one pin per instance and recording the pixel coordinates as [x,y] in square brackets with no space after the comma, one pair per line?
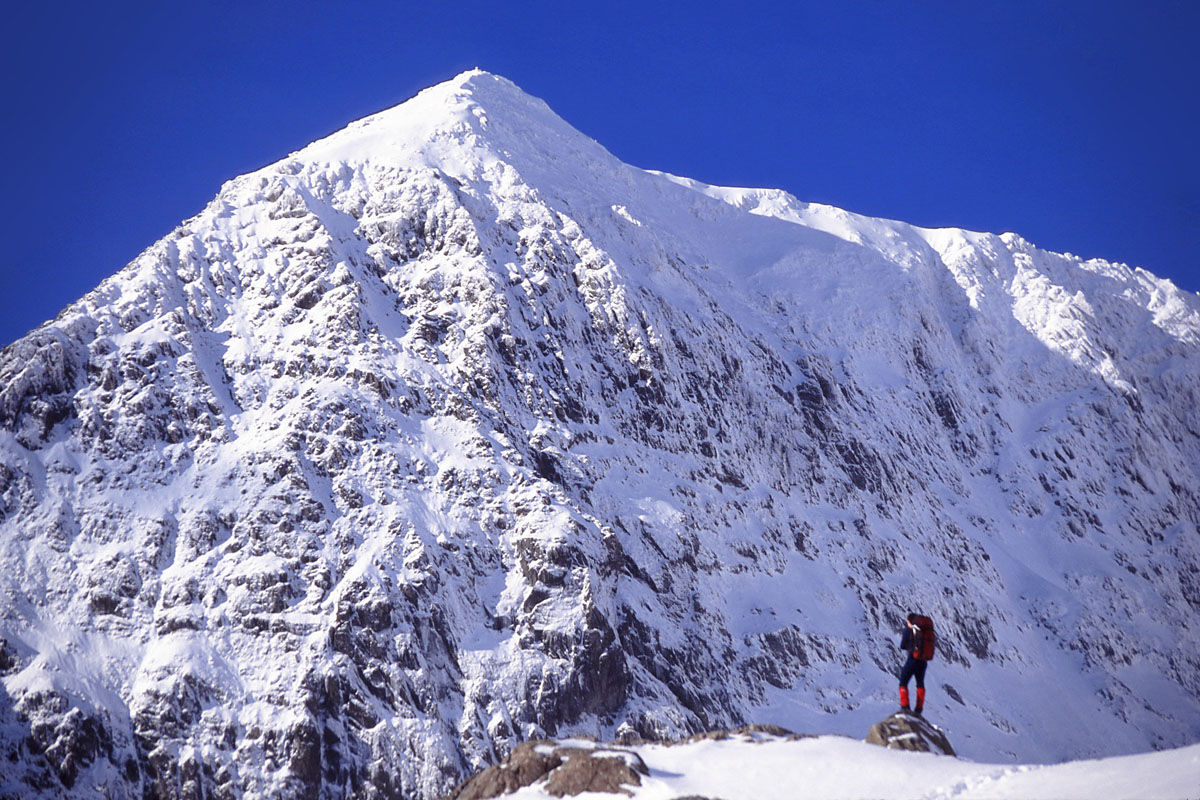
[451,430]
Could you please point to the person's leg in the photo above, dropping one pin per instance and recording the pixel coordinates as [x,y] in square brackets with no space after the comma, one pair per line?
[919,672]
[906,673]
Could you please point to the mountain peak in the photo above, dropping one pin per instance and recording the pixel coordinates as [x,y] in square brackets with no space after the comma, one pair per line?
[475,80]
[444,123]
[477,87]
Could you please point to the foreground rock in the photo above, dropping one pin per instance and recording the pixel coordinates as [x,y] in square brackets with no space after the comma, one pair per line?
[566,769]
[905,731]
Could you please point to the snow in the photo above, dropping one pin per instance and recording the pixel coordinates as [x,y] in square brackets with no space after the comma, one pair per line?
[837,768]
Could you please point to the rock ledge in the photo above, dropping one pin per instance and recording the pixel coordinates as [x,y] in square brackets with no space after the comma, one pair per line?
[906,731]
[568,768]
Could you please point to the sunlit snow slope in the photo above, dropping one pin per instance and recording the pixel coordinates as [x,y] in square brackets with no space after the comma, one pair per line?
[834,768]
[451,430]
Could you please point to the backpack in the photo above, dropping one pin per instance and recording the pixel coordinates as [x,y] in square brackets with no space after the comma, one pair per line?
[924,639]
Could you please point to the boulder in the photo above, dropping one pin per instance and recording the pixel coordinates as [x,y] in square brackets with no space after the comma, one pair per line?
[906,731]
[568,769]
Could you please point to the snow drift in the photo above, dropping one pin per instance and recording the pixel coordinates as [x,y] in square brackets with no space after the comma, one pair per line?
[758,766]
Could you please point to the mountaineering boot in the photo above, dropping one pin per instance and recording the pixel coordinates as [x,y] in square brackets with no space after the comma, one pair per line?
[904,697]
[920,699]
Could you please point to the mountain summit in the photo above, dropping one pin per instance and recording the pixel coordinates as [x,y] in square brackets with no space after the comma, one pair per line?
[451,431]
[462,126]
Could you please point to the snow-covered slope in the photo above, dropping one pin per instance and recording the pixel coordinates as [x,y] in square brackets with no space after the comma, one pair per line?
[451,430]
[760,767]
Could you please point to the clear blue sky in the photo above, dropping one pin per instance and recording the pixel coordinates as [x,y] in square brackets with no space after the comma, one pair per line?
[1072,123]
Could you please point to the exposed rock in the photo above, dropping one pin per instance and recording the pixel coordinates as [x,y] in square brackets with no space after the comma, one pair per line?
[567,770]
[596,771]
[905,731]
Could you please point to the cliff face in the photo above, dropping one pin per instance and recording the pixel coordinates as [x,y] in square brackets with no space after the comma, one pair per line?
[451,430]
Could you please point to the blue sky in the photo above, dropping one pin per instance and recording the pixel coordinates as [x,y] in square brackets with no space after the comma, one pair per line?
[1074,124]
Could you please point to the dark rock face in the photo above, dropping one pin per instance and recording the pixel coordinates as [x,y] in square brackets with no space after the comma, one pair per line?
[905,731]
[566,771]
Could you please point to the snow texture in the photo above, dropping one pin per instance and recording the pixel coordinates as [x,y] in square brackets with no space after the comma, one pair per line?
[451,430]
[834,768]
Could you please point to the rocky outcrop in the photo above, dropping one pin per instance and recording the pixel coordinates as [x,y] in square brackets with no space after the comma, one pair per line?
[564,770]
[906,731]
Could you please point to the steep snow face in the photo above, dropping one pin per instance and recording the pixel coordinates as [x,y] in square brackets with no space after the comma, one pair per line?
[451,430]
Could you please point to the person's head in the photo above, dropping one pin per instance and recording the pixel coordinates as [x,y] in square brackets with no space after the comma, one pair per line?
[912,619]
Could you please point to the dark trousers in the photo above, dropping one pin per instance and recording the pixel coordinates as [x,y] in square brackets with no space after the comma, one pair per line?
[914,667]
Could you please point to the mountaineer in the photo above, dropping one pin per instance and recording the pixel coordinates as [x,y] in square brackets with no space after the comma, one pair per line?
[917,642]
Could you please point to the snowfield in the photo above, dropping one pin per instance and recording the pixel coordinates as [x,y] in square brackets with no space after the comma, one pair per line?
[836,768]
[452,431]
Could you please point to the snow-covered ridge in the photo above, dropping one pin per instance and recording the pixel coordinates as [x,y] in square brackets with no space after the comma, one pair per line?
[450,431]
